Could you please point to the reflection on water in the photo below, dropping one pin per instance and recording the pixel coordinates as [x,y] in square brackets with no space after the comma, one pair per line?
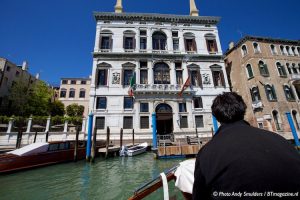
[114,178]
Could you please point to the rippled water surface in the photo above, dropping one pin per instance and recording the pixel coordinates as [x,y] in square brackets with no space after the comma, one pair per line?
[114,178]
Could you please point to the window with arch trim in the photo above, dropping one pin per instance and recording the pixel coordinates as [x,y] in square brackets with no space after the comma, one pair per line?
[244,50]
[256,47]
[289,94]
[273,49]
[159,41]
[249,71]
[298,49]
[294,68]
[263,69]
[270,92]
[129,40]
[255,96]
[197,102]
[282,50]
[281,70]
[276,120]
[288,67]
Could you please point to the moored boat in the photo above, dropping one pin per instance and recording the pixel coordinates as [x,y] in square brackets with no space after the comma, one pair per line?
[134,150]
[42,154]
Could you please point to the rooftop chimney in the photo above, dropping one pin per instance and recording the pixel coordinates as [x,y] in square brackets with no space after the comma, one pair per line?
[118,7]
[231,45]
[25,66]
[37,76]
[193,9]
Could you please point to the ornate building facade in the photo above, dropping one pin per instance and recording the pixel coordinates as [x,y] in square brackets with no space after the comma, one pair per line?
[266,72]
[141,62]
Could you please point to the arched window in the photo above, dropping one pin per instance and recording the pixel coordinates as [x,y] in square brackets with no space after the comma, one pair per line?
[197,102]
[249,71]
[296,119]
[190,42]
[263,68]
[289,68]
[282,50]
[255,94]
[63,93]
[161,73]
[289,94]
[256,48]
[273,49]
[288,50]
[281,69]
[159,41]
[244,50]
[270,92]
[294,68]
[72,93]
[294,51]
[276,120]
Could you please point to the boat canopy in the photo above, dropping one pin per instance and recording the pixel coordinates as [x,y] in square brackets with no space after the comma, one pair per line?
[30,149]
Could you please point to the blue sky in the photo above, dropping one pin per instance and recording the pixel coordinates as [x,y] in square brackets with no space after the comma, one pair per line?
[57,37]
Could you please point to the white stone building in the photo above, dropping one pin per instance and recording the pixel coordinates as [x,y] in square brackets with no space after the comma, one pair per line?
[162,52]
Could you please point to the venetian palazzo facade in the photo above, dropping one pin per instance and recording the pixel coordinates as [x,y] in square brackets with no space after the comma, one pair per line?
[266,72]
[158,53]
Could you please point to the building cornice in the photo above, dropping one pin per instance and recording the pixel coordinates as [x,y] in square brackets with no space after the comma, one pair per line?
[153,17]
[263,39]
[134,56]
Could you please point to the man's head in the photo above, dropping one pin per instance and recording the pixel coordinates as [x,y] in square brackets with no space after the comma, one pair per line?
[228,107]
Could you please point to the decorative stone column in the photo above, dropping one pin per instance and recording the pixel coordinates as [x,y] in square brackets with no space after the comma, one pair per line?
[48,124]
[29,124]
[173,73]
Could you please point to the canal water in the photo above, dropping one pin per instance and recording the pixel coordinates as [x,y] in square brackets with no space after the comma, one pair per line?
[113,178]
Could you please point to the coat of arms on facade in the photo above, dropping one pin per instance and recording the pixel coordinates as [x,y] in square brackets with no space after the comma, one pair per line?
[116,78]
[206,79]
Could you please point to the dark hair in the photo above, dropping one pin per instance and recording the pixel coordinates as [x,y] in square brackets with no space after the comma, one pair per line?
[228,107]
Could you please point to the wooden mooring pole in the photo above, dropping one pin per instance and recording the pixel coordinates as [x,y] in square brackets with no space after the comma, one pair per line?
[19,138]
[47,135]
[76,143]
[121,137]
[107,141]
[34,140]
[93,153]
[132,136]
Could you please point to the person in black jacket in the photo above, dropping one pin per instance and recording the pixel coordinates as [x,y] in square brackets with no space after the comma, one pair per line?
[244,162]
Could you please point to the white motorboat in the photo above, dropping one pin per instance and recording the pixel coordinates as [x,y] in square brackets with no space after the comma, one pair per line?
[134,150]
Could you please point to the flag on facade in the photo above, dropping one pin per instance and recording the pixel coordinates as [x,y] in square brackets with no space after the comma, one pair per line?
[185,85]
[131,85]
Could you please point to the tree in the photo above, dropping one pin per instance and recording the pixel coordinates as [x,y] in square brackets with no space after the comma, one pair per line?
[40,97]
[75,110]
[29,99]
[57,108]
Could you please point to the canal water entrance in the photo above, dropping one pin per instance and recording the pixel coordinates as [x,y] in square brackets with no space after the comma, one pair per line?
[111,179]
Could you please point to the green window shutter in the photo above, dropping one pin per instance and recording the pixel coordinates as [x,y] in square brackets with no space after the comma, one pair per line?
[283,70]
[285,92]
[266,90]
[273,90]
[260,69]
[266,69]
[250,72]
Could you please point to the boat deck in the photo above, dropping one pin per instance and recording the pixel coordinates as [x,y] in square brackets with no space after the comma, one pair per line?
[113,150]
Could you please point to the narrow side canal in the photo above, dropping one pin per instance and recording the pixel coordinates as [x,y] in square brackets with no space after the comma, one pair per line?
[114,178]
